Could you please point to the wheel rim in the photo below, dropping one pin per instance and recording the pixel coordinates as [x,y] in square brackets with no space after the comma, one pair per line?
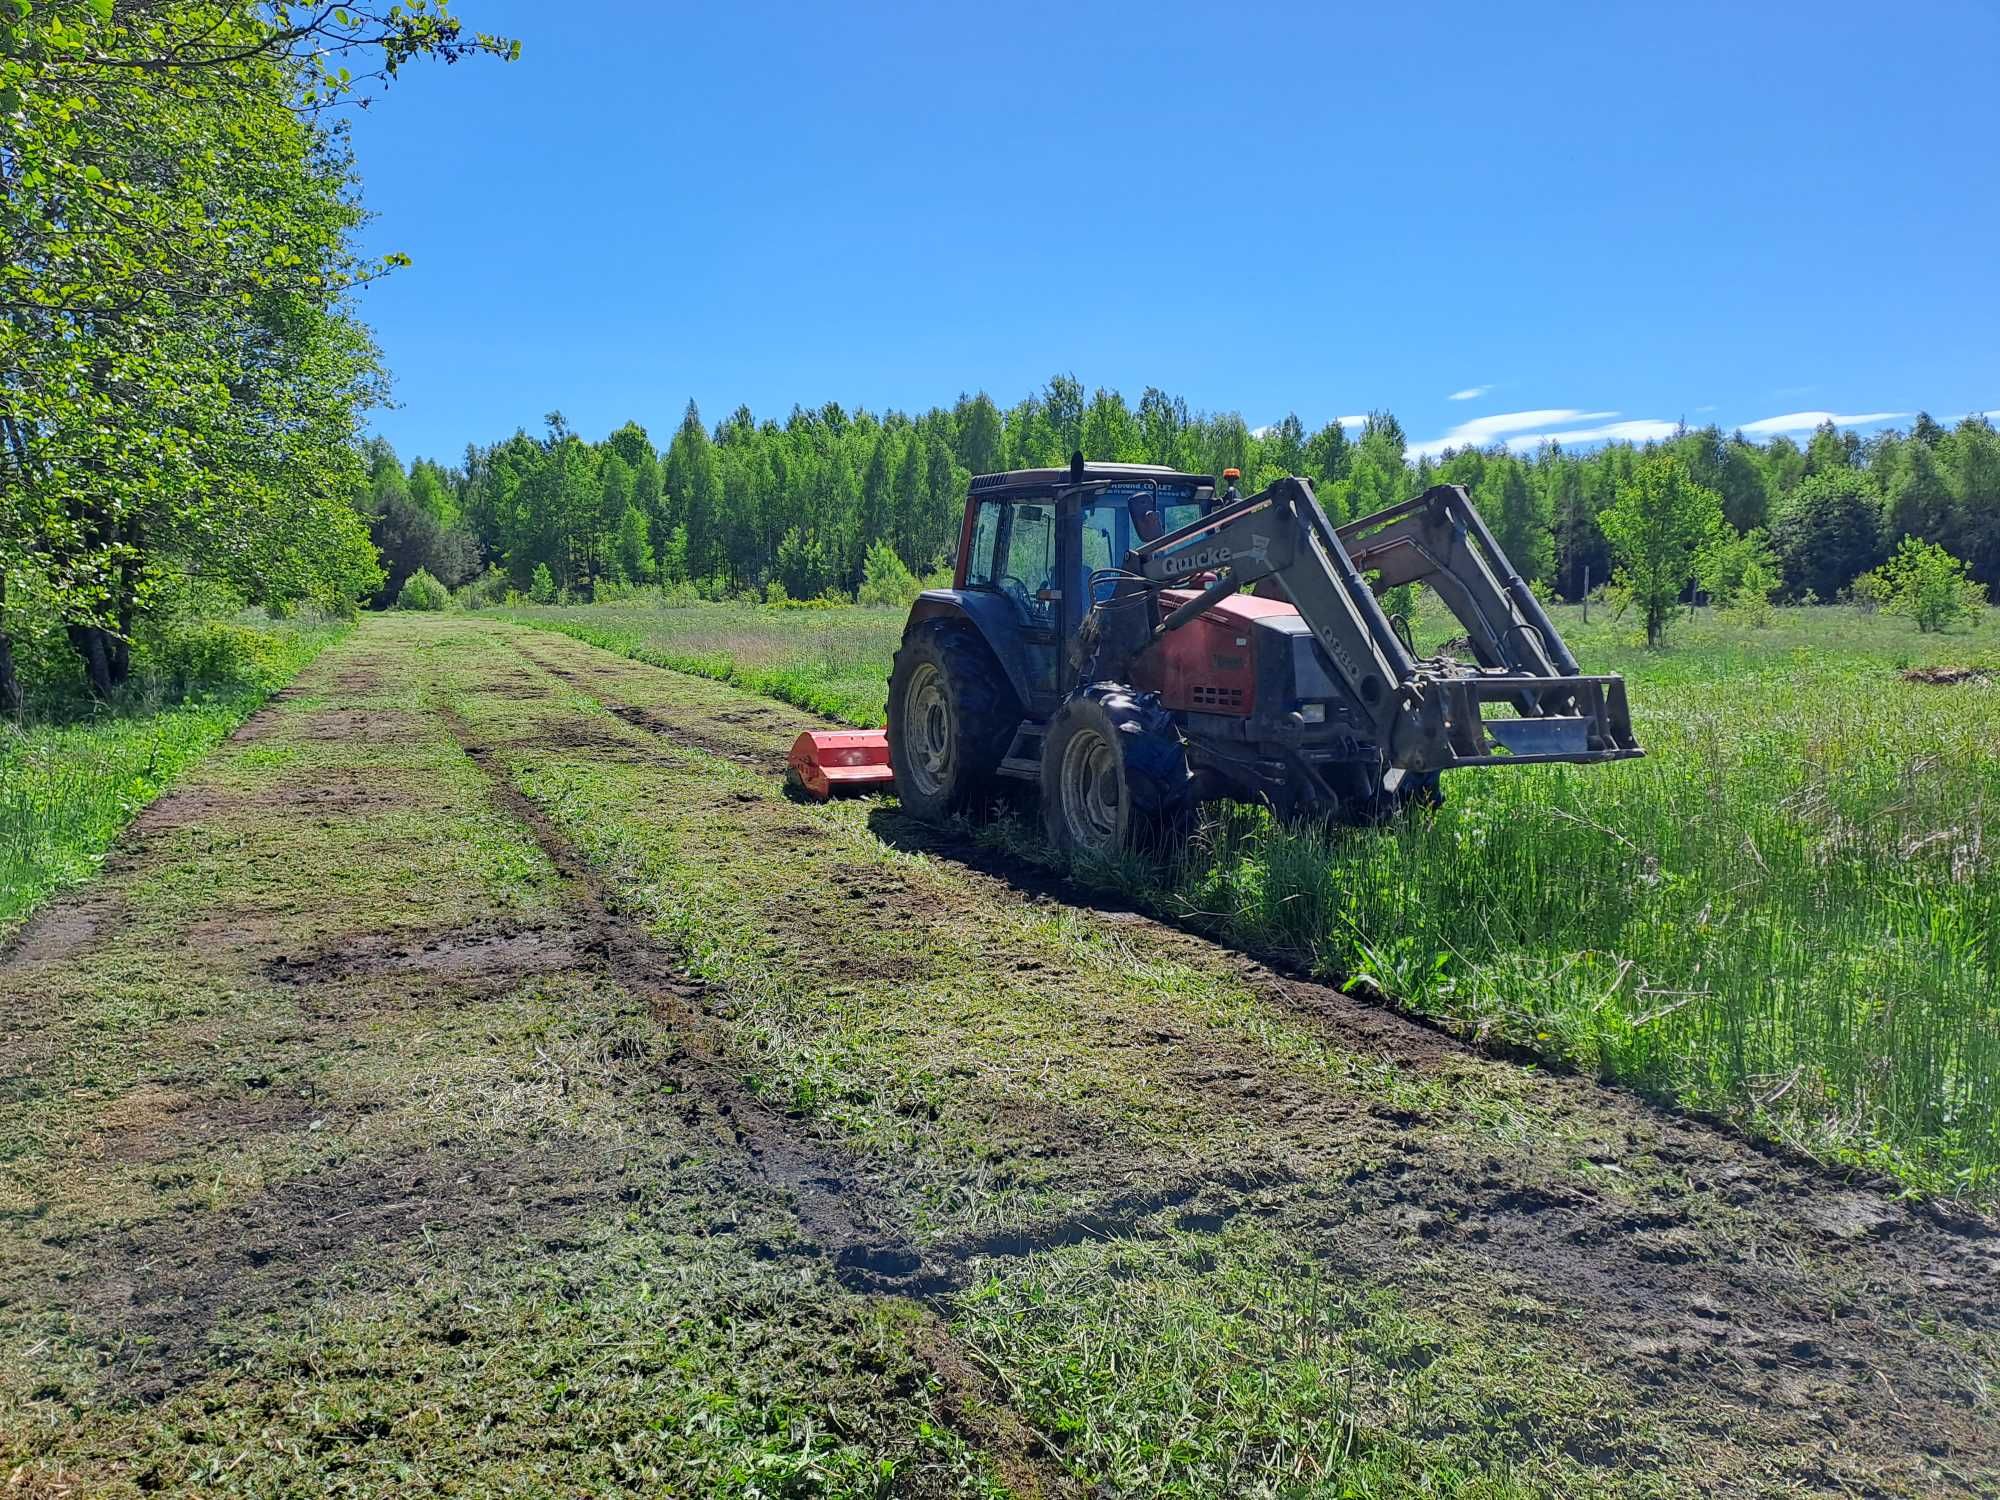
[1089,790]
[927,729]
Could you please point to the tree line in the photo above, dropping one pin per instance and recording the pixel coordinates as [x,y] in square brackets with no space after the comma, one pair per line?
[751,505]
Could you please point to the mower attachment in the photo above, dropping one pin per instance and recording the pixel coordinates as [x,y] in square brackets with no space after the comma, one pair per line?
[825,761]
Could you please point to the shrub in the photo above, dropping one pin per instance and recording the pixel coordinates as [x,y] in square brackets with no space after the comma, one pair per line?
[485,591]
[421,591]
[1740,574]
[542,588]
[209,655]
[1928,584]
[886,582]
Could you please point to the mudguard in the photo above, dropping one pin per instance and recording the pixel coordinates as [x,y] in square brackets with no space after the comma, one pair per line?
[993,617]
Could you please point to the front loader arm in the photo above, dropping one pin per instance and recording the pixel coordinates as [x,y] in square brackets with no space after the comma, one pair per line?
[1440,539]
[1427,715]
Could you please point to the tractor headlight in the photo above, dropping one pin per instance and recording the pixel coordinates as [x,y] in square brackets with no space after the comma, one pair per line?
[1312,713]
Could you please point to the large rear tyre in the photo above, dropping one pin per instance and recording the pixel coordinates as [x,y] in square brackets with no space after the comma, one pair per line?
[951,716]
[1115,775]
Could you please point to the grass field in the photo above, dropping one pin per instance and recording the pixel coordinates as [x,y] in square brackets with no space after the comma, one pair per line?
[1787,913]
[477,1076]
[67,789]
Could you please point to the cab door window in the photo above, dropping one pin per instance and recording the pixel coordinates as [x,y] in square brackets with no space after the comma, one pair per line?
[1014,553]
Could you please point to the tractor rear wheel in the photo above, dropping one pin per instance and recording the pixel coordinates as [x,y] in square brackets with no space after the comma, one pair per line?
[951,715]
[1114,774]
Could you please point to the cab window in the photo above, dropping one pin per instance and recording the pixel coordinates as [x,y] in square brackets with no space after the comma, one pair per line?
[1014,553]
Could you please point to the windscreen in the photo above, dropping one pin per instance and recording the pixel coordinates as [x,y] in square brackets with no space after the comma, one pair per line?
[1119,518]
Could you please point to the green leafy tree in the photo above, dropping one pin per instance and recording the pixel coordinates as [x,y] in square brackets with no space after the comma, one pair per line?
[1927,584]
[673,562]
[1917,498]
[543,589]
[1517,510]
[1163,428]
[1110,435]
[977,428]
[1284,447]
[1739,572]
[1828,532]
[634,546]
[1328,454]
[694,493]
[184,373]
[1657,526]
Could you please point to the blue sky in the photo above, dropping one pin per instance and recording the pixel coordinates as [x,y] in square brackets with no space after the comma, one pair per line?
[1497,221]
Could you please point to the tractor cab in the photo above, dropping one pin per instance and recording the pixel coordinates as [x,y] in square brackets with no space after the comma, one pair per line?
[1038,548]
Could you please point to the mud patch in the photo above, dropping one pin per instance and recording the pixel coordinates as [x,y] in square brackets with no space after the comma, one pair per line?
[63,927]
[654,722]
[157,1122]
[512,952]
[158,1290]
[352,726]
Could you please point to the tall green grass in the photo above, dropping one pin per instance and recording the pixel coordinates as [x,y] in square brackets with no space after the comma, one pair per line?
[67,789]
[1787,913]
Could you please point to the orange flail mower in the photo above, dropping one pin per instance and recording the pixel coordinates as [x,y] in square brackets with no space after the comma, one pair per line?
[825,761]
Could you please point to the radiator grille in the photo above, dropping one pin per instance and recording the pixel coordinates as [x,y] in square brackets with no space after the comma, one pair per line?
[1207,695]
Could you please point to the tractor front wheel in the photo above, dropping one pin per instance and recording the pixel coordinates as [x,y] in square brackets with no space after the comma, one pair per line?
[951,715]
[1114,775]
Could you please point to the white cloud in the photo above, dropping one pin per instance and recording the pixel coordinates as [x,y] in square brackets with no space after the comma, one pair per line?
[1709,407]
[1807,421]
[1260,433]
[1638,430]
[1480,432]
[1470,393]
[1360,421]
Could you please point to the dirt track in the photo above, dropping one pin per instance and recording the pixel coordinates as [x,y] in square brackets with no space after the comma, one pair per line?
[479,1073]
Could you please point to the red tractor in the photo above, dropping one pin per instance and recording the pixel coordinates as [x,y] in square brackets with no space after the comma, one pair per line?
[1099,643]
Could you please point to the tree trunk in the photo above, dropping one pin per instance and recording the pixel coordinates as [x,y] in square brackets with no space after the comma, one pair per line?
[95,645]
[10,682]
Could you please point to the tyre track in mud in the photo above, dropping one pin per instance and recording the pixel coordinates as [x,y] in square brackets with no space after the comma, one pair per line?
[1751,1275]
[853,1226]
[857,1226]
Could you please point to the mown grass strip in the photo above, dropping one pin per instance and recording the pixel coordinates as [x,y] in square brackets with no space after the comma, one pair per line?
[67,790]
